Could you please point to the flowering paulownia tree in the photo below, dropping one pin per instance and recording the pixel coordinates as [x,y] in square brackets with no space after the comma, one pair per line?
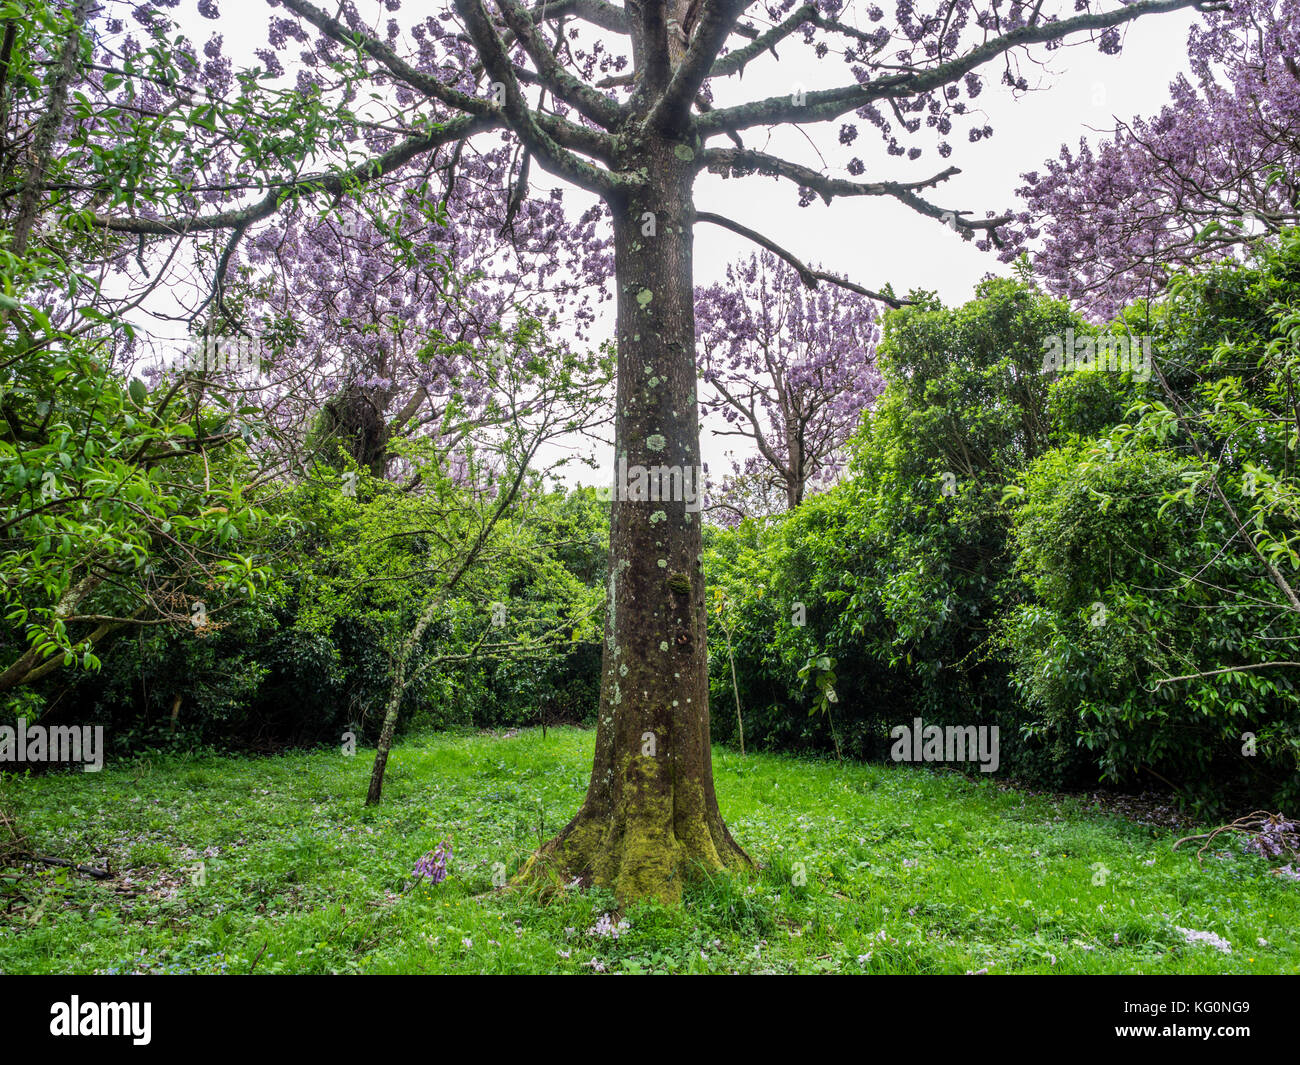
[790,368]
[383,351]
[1218,166]
[617,99]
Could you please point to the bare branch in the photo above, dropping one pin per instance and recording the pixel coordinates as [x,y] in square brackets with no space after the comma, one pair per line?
[735,62]
[588,101]
[565,133]
[744,161]
[807,274]
[334,183]
[1227,669]
[713,29]
[597,12]
[827,104]
[521,118]
[395,65]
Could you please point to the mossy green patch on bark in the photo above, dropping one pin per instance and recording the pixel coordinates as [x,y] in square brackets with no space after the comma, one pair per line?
[647,848]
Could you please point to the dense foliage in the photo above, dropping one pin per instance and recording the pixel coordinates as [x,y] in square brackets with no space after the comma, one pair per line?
[1097,561]
[899,572]
[315,660]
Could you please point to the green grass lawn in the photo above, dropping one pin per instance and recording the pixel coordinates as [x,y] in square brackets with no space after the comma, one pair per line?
[904,870]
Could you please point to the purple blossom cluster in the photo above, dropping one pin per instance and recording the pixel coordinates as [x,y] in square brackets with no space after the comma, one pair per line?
[418,332]
[395,296]
[607,927]
[1276,838]
[433,866]
[1209,939]
[1106,223]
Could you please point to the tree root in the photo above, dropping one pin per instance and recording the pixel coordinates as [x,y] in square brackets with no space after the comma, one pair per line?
[590,853]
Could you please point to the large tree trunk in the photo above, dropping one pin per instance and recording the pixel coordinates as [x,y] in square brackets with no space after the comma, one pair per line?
[650,817]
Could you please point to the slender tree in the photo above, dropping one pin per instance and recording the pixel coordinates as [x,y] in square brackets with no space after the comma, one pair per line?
[618,100]
[789,369]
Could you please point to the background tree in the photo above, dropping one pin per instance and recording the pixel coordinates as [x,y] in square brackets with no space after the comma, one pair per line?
[1215,169]
[392,319]
[121,507]
[790,368]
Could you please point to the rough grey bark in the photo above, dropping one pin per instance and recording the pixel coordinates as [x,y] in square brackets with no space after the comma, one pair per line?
[650,815]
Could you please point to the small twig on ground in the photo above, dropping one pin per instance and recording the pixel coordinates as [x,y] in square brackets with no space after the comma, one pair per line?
[258,958]
[98,874]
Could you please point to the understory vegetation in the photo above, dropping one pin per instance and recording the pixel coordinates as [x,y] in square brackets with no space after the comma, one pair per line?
[1097,562]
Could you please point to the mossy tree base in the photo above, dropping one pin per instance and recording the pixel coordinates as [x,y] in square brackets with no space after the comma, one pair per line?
[644,854]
